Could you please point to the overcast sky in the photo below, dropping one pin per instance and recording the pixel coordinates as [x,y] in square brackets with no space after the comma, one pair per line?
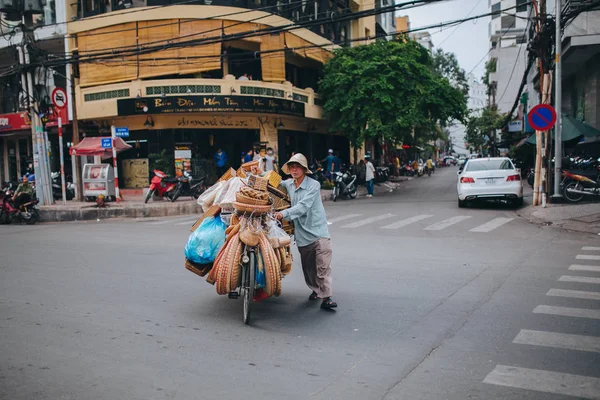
[469,41]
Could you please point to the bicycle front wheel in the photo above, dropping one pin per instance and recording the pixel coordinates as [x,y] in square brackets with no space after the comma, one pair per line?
[249,283]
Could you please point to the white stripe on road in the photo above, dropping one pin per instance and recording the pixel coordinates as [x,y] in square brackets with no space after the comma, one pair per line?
[446,223]
[493,224]
[568,312]
[189,222]
[587,257]
[575,294]
[406,221]
[558,340]
[590,268]
[590,248]
[580,279]
[367,221]
[167,221]
[343,218]
[545,381]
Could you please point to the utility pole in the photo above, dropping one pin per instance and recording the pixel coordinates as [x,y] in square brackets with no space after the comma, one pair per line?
[558,105]
[74,159]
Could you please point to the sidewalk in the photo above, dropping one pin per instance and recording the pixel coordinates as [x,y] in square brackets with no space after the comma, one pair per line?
[383,187]
[573,217]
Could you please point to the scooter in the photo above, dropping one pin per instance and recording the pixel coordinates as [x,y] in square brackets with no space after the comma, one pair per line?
[186,186]
[28,212]
[57,187]
[162,185]
[576,186]
[344,185]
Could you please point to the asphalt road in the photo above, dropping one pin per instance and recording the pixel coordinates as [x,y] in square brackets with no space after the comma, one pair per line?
[435,302]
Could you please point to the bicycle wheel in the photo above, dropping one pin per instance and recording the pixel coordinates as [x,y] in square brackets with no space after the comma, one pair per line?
[249,282]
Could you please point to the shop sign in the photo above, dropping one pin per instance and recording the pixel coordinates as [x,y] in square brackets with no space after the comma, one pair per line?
[205,104]
[14,122]
[183,159]
[222,122]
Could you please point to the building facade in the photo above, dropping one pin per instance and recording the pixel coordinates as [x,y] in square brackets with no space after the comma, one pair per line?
[476,102]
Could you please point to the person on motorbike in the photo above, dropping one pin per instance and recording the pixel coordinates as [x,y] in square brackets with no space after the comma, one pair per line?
[23,193]
[429,164]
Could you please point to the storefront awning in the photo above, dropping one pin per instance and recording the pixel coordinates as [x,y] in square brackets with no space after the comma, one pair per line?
[93,147]
[572,129]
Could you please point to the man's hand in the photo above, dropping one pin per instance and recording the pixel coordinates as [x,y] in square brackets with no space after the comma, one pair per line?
[278,216]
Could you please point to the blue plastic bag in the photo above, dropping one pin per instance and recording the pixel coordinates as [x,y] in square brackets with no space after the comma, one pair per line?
[206,241]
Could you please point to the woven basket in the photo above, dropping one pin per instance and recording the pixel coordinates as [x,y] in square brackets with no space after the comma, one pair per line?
[198,269]
[248,208]
[273,177]
[240,173]
[228,175]
[213,211]
[240,198]
[288,227]
[279,204]
[248,166]
[258,183]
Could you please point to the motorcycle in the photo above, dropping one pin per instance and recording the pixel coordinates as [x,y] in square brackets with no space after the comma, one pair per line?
[317,172]
[344,185]
[576,186]
[162,185]
[28,212]
[57,187]
[186,186]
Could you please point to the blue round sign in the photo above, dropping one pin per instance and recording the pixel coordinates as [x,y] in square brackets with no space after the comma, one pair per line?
[542,117]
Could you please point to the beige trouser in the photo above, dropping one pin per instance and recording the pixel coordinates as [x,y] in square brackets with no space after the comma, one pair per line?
[316,265]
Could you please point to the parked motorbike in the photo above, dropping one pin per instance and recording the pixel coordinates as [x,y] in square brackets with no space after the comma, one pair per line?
[531,177]
[344,185]
[27,213]
[162,185]
[317,172]
[576,186]
[57,187]
[382,174]
[187,186]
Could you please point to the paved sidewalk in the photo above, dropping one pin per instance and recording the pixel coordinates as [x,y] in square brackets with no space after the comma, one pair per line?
[583,217]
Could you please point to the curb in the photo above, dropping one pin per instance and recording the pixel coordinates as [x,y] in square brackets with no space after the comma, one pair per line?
[132,211]
[564,224]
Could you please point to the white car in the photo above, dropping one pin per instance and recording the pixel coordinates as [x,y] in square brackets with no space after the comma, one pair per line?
[489,178]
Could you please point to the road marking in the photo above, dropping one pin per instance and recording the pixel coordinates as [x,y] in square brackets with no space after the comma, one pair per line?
[580,279]
[590,248]
[576,294]
[189,222]
[406,221]
[587,257]
[559,340]
[590,268]
[446,223]
[344,217]
[167,221]
[491,225]
[568,312]
[545,381]
[367,221]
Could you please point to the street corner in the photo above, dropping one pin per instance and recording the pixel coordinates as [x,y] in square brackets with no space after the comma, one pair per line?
[584,218]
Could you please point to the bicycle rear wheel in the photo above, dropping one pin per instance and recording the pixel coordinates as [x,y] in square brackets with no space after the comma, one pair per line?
[249,282]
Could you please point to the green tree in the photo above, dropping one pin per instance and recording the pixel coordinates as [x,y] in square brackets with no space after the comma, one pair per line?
[482,127]
[388,90]
[447,66]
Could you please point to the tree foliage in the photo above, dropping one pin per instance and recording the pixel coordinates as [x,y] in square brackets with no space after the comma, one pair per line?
[447,66]
[388,90]
[480,127]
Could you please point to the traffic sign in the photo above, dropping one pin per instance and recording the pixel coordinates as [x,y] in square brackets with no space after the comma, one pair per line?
[542,117]
[122,132]
[106,143]
[59,97]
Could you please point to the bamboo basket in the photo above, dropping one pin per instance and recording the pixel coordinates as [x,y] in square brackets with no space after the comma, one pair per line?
[274,178]
[198,269]
[213,211]
[248,166]
[287,226]
[228,175]
[240,198]
[248,208]
[279,203]
[258,183]
[277,192]
[240,173]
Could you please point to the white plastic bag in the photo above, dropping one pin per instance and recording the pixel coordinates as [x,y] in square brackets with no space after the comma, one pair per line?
[227,196]
[277,236]
[207,198]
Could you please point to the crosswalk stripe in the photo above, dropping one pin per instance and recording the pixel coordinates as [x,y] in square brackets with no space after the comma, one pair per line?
[343,217]
[559,340]
[580,279]
[406,221]
[587,257]
[367,221]
[590,248]
[491,225]
[448,222]
[590,268]
[568,312]
[575,294]
[188,222]
[545,381]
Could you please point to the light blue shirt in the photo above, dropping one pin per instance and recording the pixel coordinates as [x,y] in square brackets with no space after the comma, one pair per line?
[307,211]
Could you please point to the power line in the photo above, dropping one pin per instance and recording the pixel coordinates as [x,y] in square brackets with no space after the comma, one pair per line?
[458,26]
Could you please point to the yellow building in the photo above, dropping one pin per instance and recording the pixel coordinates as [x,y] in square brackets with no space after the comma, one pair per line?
[209,74]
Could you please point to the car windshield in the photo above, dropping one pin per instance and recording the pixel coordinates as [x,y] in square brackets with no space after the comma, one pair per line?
[489,165]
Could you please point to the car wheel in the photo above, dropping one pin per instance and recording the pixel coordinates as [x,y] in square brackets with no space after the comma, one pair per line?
[462,203]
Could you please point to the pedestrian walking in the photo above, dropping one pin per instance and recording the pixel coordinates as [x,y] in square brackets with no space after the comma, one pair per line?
[221,161]
[369,176]
[311,232]
[270,161]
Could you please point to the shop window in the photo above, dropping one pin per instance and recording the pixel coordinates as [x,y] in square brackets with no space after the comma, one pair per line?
[496,10]
[522,5]
[508,22]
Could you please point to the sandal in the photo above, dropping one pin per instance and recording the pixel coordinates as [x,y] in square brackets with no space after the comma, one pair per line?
[313,296]
[328,304]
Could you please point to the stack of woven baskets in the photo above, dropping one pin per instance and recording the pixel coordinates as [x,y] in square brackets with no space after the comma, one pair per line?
[249,200]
